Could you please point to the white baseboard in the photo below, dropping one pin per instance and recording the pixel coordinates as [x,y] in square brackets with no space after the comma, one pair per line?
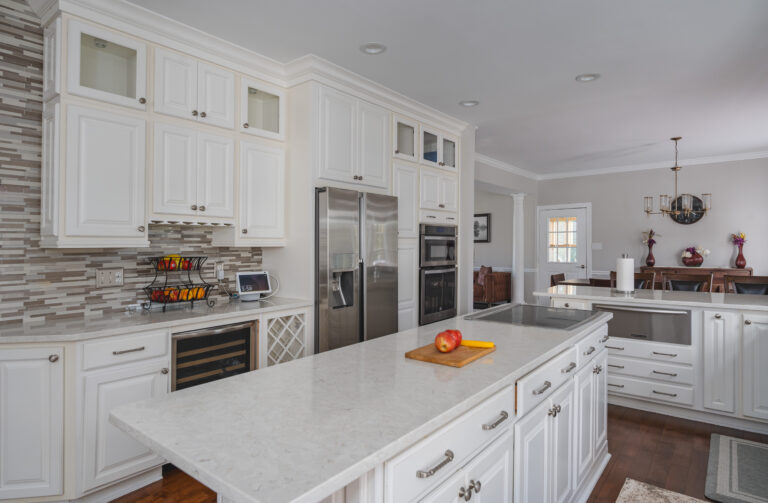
[122,488]
[693,415]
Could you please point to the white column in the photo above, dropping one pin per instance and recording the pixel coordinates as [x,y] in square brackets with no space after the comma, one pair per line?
[518,249]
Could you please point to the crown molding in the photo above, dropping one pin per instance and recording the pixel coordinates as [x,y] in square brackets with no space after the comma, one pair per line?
[495,163]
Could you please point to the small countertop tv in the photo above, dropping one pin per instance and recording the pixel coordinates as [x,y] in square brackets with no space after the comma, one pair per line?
[252,285]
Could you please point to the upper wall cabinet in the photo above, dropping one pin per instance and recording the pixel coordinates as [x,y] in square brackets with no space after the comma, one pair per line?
[439,190]
[405,139]
[262,109]
[438,150]
[106,66]
[191,89]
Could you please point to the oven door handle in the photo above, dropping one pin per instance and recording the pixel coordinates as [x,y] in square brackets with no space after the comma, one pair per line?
[438,271]
[212,331]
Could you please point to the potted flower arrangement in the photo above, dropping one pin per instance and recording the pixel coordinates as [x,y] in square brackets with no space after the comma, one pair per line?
[648,240]
[739,240]
[693,256]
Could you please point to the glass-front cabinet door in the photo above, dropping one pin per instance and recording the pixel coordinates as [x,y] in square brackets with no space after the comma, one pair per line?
[449,153]
[405,135]
[106,66]
[430,147]
[262,109]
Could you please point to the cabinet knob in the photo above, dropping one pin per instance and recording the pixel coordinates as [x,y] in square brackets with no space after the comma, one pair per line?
[141,228]
[246,125]
[142,100]
[441,206]
[475,484]
[465,493]
[747,322]
[441,163]
[203,115]
[566,305]
[193,207]
[245,231]
[202,207]
[53,358]
[397,151]
[194,113]
[552,412]
[164,370]
[360,177]
[718,316]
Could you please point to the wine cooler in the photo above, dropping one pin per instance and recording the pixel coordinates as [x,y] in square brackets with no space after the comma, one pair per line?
[213,353]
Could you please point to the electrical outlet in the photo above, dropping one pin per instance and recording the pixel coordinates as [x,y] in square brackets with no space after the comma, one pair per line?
[219,270]
[109,277]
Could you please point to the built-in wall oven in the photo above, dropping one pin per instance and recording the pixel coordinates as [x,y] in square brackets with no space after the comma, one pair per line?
[205,355]
[437,273]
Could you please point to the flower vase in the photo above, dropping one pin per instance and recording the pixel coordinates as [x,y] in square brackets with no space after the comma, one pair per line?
[741,262]
[650,260]
[695,260]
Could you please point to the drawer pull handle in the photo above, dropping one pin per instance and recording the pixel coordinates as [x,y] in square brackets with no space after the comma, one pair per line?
[665,394]
[589,351]
[544,387]
[616,366]
[671,374]
[426,474]
[604,339]
[673,355]
[747,322]
[502,417]
[616,385]
[132,350]
[570,367]
[615,347]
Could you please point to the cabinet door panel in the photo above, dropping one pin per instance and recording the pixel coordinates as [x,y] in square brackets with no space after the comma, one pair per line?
[601,400]
[109,453]
[533,455]
[448,491]
[105,174]
[337,136]
[406,189]
[373,151]
[175,170]
[31,422]
[449,193]
[407,283]
[262,191]
[562,444]
[175,84]
[585,422]
[720,360]
[755,368]
[429,184]
[492,470]
[216,96]
[215,176]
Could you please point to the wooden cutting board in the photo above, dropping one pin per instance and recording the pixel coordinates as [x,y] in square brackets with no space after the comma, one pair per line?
[456,358]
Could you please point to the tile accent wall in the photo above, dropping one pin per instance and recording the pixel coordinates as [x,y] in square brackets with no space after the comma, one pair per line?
[40,283]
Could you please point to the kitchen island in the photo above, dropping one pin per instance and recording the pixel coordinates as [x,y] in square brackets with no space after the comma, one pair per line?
[358,422]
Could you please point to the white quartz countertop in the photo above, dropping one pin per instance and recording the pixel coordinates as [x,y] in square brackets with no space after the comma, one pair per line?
[129,322]
[688,299]
[301,430]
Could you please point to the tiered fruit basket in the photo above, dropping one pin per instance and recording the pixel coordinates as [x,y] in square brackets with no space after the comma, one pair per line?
[174,281]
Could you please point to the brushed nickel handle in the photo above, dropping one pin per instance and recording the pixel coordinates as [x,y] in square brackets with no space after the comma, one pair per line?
[194,113]
[566,305]
[140,228]
[665,394]
[246,125]
[423,474]
[589,351]
[558,408]
[202,207]
[360,177]
[552,412]
[465,493]
[604,339]
[597,369]
[616,385]
[673,355]
[671,374]
[450,218]
[544,387]
[53,358]
[615,347]
[718,316]
[431,216]
[616,366]
[475,484]
[245,231]
[203,115]
[570,367]
[132,350]
[502,417]
[747,322]
[142,100]
[441,206]
[193,207]
[164,370]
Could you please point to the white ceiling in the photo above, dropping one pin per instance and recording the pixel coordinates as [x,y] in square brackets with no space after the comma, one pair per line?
[691,68]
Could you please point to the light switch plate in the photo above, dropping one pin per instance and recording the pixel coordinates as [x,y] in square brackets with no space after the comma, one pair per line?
[109,277]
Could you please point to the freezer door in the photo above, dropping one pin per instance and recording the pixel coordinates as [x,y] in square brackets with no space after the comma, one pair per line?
[380,264]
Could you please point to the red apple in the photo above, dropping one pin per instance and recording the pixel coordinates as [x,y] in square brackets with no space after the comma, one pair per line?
[445,342]
[456,334]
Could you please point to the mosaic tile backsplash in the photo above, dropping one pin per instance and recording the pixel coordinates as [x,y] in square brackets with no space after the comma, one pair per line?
[38,283]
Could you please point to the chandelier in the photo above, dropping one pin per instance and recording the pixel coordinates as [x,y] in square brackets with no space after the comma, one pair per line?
[683,208]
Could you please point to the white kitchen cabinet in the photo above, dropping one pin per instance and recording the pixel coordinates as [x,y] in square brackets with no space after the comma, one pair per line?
[449,193]
[601,400]
[262,191]
[188,88]
[104,196]
[106,66]
[721,353]
[52,60]
[353,140]
[755,351]
[262,109]
[438,150]
[405,186]
[439,191]
[405,139]
[563,444]
[571,304]
[31,422]
[407,283]
[590,416]
[193,173]
[109,453]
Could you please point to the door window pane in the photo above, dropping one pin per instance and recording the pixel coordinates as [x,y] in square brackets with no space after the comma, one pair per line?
[405,144]
[107,66]
[562,240]
[430,147]
[263,110]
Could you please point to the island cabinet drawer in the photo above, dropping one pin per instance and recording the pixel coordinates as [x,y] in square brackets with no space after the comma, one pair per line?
[665,392]
[414,472]
[660,371]
[540,383]
[571,304]
[659,351]
[591,345]
[124,349]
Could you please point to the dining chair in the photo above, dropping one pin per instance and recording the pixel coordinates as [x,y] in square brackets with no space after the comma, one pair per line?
[754,285]
[687,282]
[643,280]
[556,278]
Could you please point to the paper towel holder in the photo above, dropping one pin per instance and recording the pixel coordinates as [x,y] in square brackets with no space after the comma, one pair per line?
[626,293]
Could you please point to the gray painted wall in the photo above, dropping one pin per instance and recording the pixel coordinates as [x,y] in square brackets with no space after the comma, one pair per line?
[498,252]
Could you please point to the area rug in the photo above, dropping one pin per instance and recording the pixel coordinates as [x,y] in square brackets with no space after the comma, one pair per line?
[634,491]
[737,470]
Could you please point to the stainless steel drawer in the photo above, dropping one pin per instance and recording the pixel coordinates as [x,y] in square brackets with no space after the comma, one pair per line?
[650,324]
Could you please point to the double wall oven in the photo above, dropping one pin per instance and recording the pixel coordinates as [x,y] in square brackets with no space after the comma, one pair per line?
[437,273]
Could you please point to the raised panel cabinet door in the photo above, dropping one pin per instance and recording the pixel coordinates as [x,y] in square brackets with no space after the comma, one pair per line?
[262,191]
[337,136]
[215,176]
[448,491]
[755,368]
[407,317]
[584,422]
[601,399]
[563,443]
[429,185]
[406,189]
[491,472]
[721,354]
[175,84]
[407,283]
[109,453]
[449,193]
[373,145]
[175,170]
[104,174]
[215,96]
[533,455]
[31,422]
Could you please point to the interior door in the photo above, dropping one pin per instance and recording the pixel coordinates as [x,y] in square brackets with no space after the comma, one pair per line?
[215,176]
[216,95]
[175,170]
[563,243]
[175,84]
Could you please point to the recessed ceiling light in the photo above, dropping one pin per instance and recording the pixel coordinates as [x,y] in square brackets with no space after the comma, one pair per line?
[373,48]
[587,77]
[469,103]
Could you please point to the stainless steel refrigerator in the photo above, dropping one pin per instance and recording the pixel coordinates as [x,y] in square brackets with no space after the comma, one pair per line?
[355,267]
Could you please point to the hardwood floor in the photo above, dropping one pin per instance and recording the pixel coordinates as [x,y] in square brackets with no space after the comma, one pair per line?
[661,450]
